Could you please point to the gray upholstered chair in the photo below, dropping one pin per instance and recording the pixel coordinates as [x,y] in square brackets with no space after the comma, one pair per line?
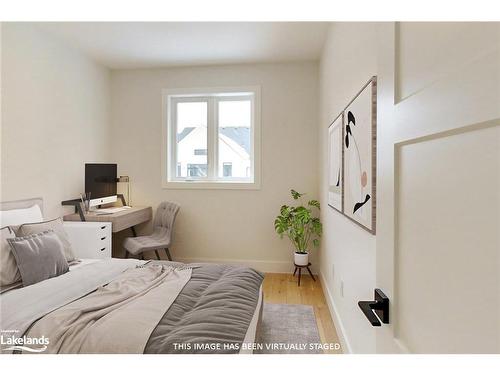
[163,227]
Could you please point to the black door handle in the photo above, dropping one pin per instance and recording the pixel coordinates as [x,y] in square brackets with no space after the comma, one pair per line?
[377,310]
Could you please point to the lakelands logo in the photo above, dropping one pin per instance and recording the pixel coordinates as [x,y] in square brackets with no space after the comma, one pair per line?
[9,341]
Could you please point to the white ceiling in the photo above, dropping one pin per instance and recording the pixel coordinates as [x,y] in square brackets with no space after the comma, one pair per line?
[156,44]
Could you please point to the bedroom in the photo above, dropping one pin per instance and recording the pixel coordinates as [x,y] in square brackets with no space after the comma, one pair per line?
[228,190]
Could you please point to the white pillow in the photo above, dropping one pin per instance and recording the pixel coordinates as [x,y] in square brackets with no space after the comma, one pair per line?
[9,272]
[20,216]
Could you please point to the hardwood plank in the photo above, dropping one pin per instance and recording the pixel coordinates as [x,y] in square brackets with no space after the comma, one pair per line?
[280,287]
[330,334]
[293,295]
[283,288]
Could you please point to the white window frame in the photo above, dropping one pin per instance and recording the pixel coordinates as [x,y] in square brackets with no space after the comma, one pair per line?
[169,162]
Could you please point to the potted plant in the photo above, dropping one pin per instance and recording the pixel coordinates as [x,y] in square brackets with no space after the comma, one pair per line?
[301,226]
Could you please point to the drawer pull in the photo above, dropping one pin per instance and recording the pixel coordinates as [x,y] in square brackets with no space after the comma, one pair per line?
[104,227]
[103,238]
[103,249]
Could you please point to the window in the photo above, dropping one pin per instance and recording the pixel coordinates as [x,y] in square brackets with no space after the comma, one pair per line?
[197,170]
[227,169]
[211,139]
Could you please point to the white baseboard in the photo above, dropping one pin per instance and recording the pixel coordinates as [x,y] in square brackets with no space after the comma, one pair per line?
[259,265]
[344,341]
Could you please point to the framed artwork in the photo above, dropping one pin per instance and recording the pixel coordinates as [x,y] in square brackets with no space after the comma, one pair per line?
[360,132]
[335,165]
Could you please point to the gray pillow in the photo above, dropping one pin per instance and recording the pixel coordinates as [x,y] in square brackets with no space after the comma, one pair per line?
[39,256]
[57,226]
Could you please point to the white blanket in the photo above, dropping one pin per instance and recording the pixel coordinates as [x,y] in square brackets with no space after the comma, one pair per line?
[116,318]
[19,308]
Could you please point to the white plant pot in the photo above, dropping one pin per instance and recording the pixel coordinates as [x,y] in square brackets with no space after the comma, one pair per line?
[301,259]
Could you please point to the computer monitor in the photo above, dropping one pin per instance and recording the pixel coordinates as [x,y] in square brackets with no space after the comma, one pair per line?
[100,181]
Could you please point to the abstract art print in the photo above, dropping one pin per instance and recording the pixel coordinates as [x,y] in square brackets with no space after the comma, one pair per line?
[360,157]
[335,165]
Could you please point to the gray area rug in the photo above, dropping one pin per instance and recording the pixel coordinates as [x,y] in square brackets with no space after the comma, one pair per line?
[288,329]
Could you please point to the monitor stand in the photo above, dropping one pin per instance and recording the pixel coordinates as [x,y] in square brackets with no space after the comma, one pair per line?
[105,200]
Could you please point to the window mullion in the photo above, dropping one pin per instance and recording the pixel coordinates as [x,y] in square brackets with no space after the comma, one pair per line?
[216,137]
[211,140]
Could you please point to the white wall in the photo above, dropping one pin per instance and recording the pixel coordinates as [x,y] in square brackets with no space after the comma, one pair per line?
[54,117]
[349,60]
[226,225]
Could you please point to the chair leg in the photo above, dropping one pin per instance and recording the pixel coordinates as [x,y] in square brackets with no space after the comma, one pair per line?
[157,255]
[167,251]
[126,254]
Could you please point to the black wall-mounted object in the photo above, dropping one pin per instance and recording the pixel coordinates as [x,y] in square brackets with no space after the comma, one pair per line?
[378,310]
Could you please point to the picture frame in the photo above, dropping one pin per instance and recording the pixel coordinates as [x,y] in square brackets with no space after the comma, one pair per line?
[336,163]
[360,153]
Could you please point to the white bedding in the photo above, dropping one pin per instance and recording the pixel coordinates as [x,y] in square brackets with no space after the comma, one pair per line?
[83,262]
[20,307]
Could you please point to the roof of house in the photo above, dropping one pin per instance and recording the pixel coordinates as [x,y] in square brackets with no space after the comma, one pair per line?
[184,133]
[238,134]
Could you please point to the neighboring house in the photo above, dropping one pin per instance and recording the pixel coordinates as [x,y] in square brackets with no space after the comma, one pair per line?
[234,152]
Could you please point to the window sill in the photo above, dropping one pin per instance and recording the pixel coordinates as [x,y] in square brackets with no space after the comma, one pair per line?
[215,185]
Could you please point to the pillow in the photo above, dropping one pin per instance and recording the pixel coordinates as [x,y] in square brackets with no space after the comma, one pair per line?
[20,216]
[57,226]
[39,256]
[9,273]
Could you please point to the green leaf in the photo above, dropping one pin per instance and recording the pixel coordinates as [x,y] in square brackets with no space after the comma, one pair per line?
[295,194]
[280,225]
[314,203]
[303,215]
[317,227]
[316,242]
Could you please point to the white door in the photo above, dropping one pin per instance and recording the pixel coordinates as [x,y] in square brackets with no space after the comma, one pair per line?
[438,187]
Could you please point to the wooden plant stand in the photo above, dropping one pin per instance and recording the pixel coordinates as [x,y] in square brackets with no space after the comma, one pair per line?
[297,267]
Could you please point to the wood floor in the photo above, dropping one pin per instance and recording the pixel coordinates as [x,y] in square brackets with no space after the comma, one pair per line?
[282,288]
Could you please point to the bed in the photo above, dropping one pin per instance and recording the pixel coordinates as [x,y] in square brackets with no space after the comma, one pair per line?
[133,306]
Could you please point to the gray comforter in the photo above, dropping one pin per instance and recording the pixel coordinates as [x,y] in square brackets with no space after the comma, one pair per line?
[211,314]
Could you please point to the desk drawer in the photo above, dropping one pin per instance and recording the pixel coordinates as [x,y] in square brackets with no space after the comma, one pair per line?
[90,240]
